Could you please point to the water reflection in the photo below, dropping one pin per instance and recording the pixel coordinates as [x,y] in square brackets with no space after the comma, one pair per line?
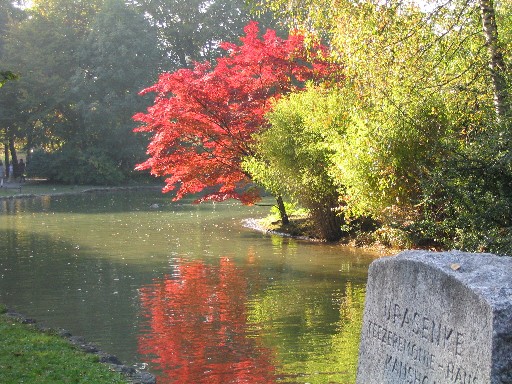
[313,325]
[185,287]
[222,324]
[197,329]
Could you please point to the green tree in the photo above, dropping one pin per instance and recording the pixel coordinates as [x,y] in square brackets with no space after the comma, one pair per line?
[75,13]
[43,50]
[394,60]
[118,58]
[294,156]
[81,66]
[9,15]
[430,109]
[193,30]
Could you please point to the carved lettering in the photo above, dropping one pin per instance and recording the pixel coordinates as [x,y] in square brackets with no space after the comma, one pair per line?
[408,337]
[396,313]
[425,327]
[459,340]
[416,323]
[404,372]
[459,375]
[405,320]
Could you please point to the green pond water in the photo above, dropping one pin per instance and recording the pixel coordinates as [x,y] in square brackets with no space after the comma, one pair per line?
[185,290]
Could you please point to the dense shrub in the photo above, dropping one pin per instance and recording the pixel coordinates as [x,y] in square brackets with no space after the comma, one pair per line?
[294,155]
[88,167]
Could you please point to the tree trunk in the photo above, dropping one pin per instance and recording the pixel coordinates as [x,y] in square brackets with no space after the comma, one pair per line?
[328,223]
[14,157]
[282,210]
[327,220]
[496,62]
[6,156]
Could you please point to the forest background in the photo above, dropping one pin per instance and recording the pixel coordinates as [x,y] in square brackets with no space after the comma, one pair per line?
[409,145]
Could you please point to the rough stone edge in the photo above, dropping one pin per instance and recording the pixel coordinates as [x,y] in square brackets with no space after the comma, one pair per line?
[458,271]
[131,374]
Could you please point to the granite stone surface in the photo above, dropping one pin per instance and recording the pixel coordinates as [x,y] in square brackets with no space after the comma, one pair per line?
[437,318]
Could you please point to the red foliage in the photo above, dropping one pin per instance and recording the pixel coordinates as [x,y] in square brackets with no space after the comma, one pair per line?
[203,119]
[197,329]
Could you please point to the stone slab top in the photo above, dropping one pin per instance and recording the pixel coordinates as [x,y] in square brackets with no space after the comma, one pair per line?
[470,269]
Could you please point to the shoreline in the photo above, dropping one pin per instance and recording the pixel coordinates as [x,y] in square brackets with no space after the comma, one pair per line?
[257,225]
[77,192]
[130,373]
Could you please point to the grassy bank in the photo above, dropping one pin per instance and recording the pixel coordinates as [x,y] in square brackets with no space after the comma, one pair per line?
[28,355]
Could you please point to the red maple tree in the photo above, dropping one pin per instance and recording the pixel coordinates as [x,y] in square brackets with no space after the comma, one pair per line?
[203,118]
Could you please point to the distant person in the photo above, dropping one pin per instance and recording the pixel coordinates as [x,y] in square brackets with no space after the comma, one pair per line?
[11,173]
[2,174]
[21,170]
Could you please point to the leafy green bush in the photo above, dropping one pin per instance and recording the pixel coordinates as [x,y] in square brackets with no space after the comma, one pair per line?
[67,166]
[293,156]
[468,204]
[384,158]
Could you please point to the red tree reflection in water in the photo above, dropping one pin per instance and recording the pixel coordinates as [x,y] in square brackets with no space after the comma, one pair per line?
[198,327]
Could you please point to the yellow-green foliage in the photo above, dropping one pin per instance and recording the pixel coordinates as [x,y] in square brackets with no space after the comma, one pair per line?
[294,154]
[383,160]
[425,125]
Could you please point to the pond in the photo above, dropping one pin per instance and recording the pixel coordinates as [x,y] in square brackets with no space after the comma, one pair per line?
[185,289]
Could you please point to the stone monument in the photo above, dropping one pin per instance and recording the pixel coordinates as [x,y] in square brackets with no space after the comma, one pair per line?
[437,318]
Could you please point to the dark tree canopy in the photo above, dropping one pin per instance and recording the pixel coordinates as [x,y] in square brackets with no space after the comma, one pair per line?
[192,30]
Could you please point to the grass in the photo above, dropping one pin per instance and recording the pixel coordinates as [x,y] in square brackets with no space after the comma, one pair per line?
[28,355]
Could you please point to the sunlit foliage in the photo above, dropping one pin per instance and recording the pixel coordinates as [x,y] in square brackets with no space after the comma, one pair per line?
[203,119]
